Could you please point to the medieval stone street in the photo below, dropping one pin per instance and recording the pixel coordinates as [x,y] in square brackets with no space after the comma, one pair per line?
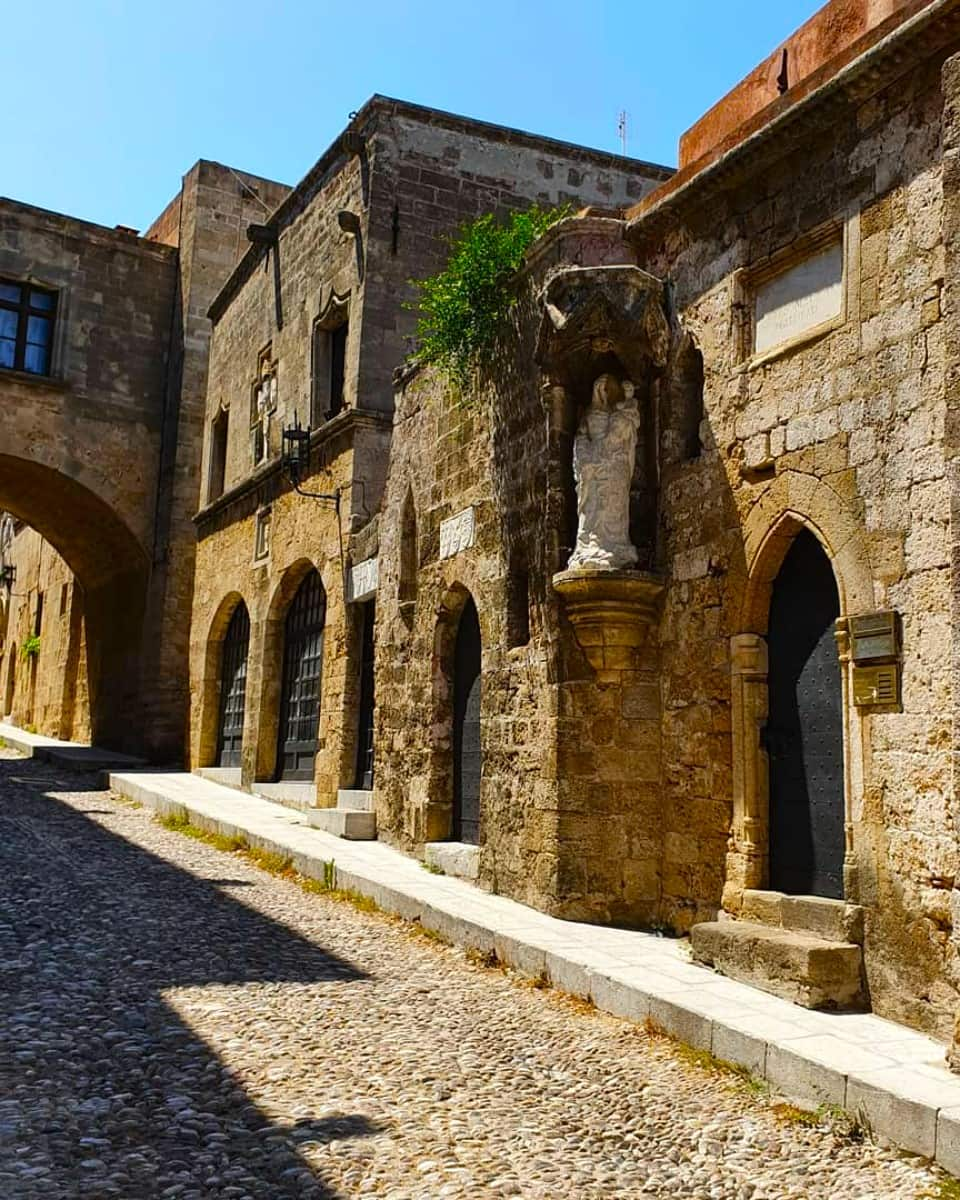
[179,1023]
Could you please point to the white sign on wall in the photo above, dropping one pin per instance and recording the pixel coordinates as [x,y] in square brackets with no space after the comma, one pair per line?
[801,298]
[364,579]
[458,533]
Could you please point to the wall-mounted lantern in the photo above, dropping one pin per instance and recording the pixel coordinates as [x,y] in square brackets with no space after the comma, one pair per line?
[295,460]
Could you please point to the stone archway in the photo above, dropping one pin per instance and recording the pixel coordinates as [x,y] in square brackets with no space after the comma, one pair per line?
[453,694]
[210,683]
[270,666]
[112,568]
[792,503]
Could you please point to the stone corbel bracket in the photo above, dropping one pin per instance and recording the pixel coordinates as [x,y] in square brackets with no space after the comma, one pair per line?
[590,312]
[614,614]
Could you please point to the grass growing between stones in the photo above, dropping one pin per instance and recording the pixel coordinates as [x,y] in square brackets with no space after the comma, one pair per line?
[278,865]
[947,1188]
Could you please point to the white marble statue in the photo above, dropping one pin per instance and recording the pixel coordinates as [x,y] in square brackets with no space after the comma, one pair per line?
[603,459]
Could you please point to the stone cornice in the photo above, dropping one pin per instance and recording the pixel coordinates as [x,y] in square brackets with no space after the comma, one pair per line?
[781,128]
[344,424]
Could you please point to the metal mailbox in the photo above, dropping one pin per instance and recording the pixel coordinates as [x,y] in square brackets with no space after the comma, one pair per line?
[874,637]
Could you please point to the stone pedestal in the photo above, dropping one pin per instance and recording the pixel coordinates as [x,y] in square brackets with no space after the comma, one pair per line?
[612,613]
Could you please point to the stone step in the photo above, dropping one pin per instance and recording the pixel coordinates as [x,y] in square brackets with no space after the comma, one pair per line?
[291,793]
[227,776]
[801,967]
[347,823]
[460,859]
[835,920]
[355,800]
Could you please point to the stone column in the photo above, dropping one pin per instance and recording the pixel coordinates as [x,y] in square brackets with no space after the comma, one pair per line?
[851,756]
[748,853]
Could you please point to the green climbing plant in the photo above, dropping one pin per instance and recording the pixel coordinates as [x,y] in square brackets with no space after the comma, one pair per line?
[463,307]
[31,646]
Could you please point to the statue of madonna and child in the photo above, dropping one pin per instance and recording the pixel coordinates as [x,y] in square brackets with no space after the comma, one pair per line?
[603,460]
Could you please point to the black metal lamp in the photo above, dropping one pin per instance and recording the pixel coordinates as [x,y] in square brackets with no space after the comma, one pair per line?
[295,461]
[8,575]
[296,451]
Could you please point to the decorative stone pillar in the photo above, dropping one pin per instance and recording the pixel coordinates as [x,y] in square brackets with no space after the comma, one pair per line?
[748,854]
[851,758]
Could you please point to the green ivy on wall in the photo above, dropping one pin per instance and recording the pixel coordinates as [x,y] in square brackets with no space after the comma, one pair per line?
[464,306]
[31,646]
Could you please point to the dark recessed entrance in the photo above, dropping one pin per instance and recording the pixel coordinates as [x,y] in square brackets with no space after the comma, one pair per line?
[804,736]
[302,670]
[233,688]
[467,757]
[364,775]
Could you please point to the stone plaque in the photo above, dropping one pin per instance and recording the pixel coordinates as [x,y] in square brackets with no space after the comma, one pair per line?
[807,295]
[364,578]
[458,532]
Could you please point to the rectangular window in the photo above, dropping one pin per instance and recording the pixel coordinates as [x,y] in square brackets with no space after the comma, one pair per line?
[38,620]
[328,369]
[261,547]
[26,327]
[218,456]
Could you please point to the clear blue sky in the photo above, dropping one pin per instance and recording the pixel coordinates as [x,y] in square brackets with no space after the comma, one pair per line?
[109,102]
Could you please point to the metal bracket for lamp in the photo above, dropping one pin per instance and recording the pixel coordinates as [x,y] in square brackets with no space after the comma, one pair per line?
[295,461]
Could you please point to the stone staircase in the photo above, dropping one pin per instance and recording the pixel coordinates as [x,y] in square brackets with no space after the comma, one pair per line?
[805,949]
[353,818]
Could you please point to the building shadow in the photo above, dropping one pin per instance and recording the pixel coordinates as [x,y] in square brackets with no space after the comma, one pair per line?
[104,1090]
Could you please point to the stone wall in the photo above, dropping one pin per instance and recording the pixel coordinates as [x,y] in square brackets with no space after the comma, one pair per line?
[81,448]
[839,427]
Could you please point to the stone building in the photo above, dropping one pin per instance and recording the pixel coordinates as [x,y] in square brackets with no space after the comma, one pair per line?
[103,352]
[750,730]
[307,331]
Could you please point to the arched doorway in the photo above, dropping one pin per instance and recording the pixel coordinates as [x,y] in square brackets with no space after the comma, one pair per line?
[233,688]
[302,673]
[467,751]
[804,732]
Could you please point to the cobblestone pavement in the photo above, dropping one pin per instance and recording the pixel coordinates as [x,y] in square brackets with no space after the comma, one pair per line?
[177,1023]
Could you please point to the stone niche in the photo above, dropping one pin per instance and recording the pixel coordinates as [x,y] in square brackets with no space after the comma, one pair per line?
[603,343]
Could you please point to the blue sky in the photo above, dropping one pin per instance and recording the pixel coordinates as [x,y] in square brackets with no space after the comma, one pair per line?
[114,101]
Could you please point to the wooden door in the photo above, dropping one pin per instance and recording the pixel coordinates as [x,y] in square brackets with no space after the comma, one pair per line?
[467,751]
[804,735]
[364,773]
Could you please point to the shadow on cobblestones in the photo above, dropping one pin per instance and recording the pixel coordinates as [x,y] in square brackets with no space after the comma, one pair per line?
[104,1091]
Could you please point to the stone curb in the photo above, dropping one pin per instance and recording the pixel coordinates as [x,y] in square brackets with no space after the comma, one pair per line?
[888,1077]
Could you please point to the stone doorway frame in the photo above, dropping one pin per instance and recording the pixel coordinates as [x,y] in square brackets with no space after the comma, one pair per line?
[211,681]
[792,502]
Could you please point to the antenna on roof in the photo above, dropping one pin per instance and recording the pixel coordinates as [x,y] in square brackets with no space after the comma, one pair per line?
[622,131]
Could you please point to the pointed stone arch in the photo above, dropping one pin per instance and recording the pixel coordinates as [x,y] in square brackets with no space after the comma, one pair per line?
[793,502]
[271,662]
[210,683]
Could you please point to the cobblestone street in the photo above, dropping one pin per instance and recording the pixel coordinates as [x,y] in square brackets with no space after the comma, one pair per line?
[178,1023]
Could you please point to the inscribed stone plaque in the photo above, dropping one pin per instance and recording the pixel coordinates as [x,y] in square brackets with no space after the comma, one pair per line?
[807,295]
[457,533]
[364,578]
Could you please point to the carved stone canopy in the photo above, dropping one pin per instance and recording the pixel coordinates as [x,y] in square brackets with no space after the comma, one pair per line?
[593,313]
